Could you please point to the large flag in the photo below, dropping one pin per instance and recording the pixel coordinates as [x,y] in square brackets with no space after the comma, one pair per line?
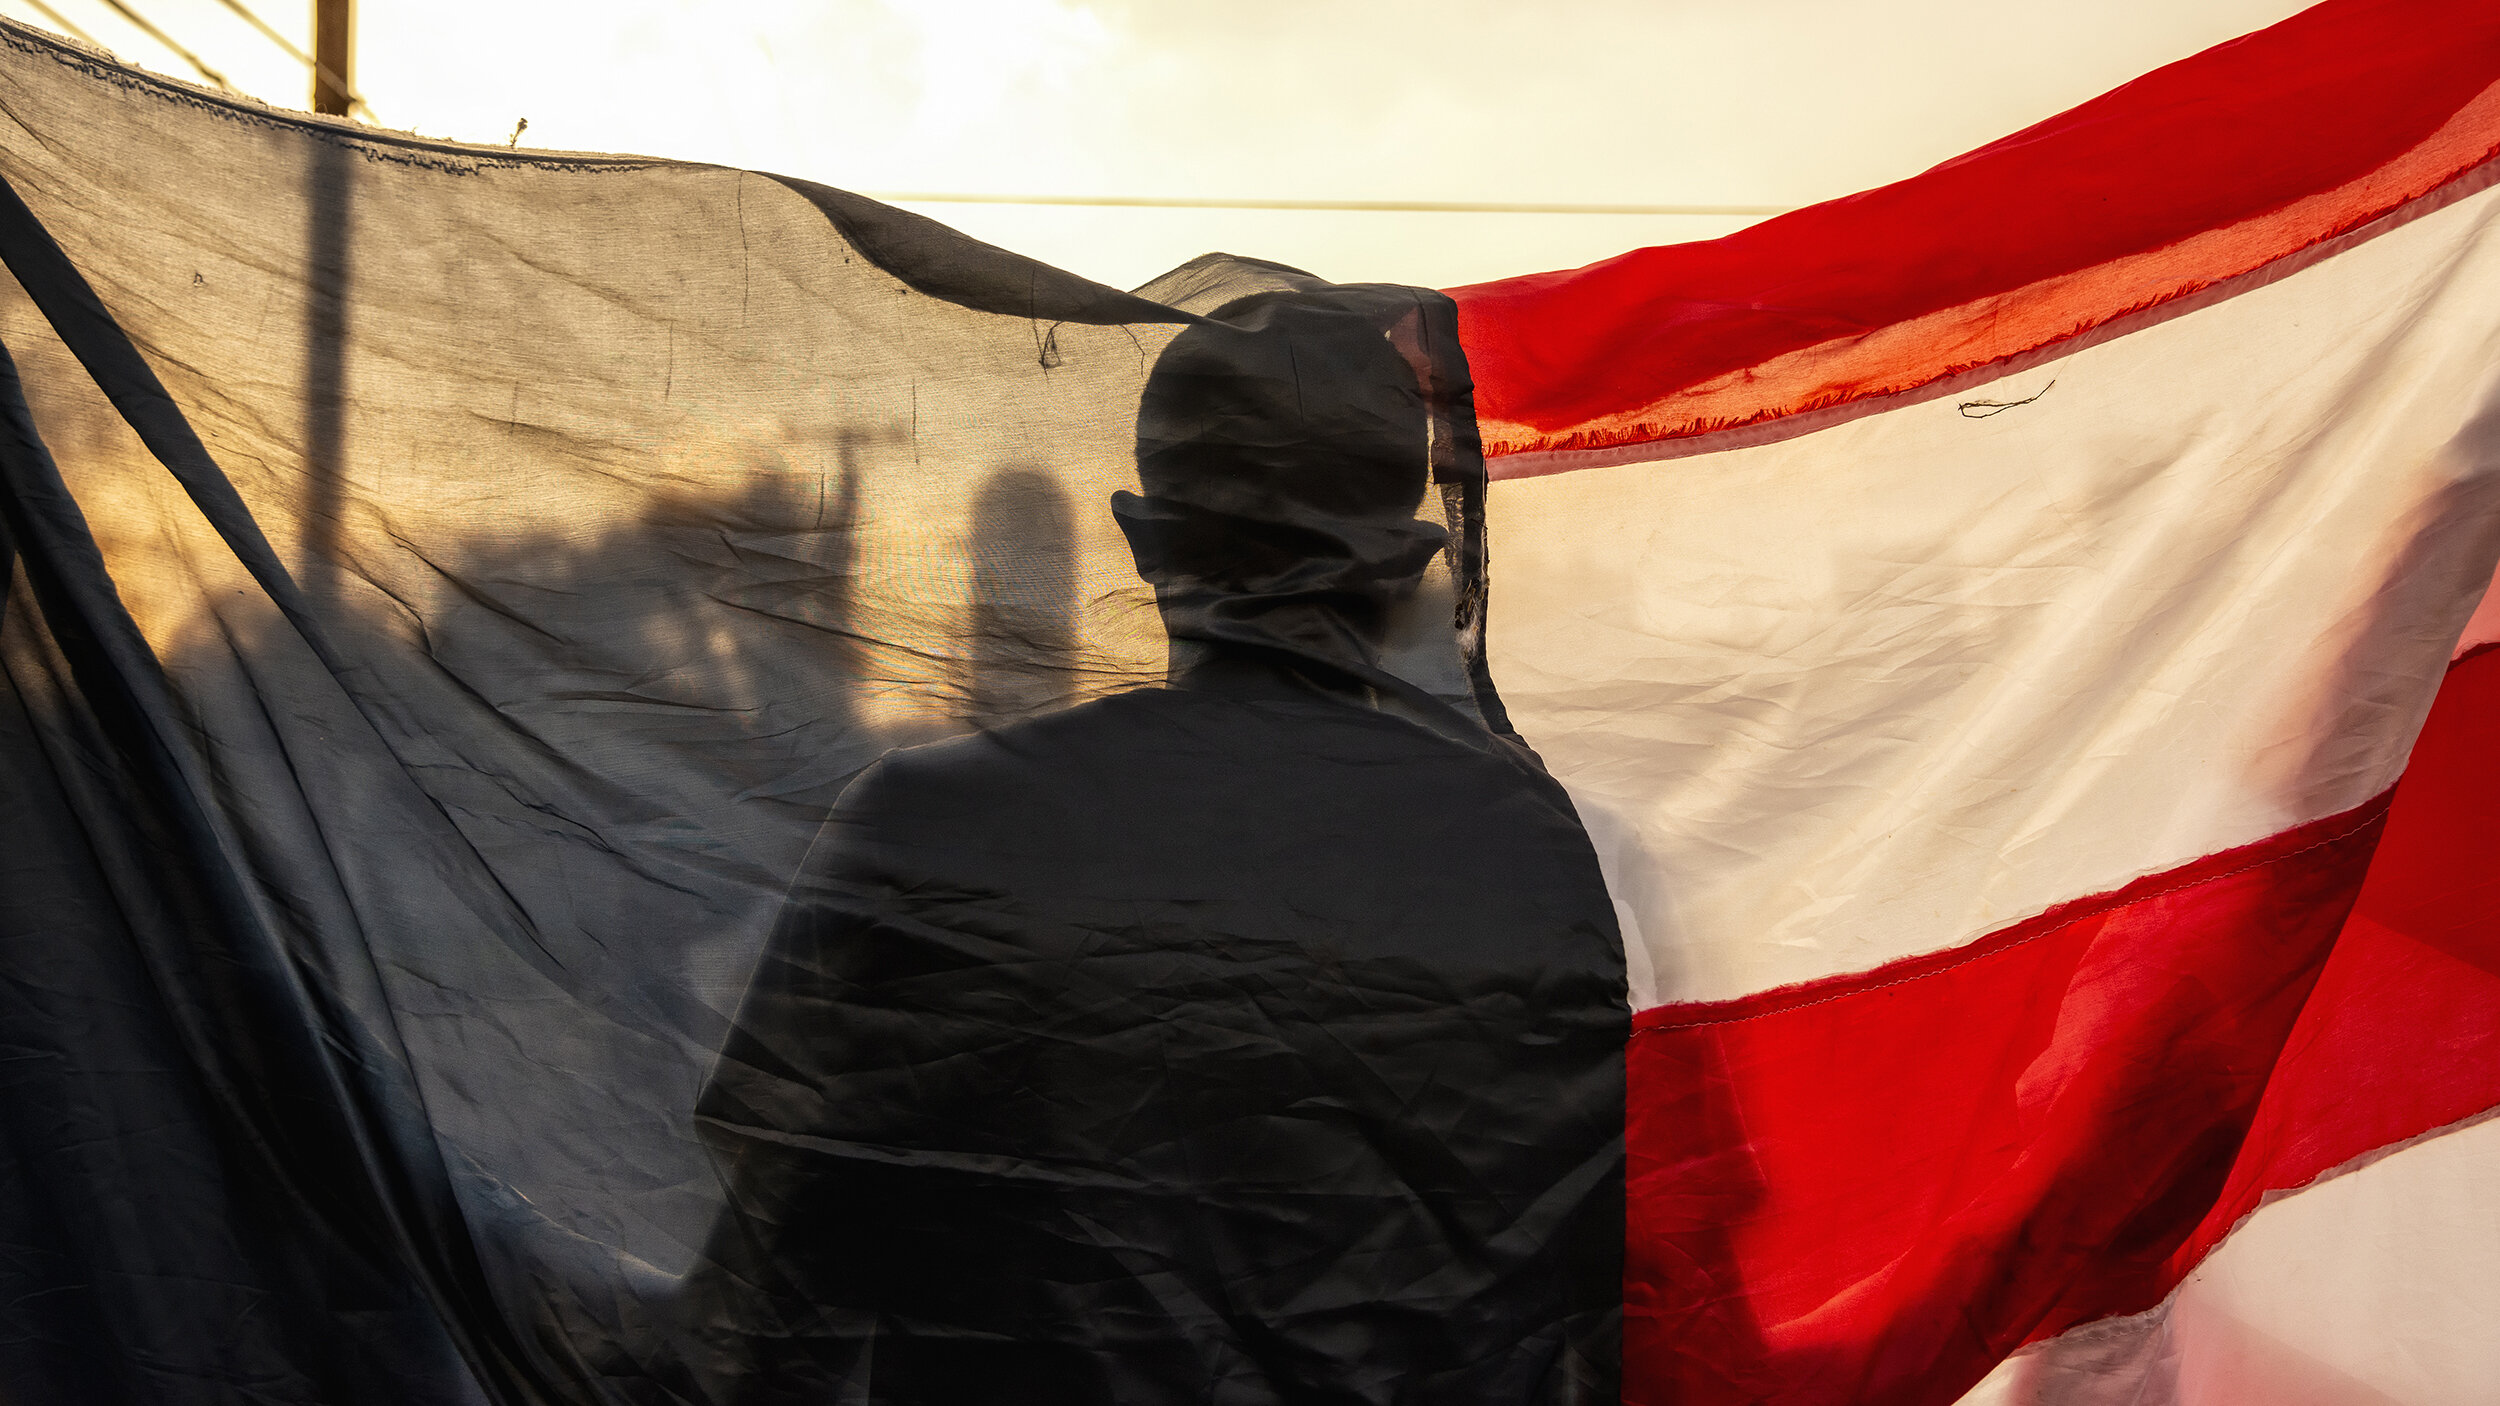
[624,781]
[1984,623]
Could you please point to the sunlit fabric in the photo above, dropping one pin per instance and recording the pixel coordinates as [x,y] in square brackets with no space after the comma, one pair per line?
[636,783]
[1988,624]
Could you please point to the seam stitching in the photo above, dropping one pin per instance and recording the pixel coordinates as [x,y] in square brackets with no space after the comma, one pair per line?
[2080,918]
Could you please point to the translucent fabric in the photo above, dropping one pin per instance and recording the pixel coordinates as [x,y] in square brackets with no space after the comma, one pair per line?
[637,782]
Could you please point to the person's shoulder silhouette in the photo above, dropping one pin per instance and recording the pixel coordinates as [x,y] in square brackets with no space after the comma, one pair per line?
[1237,1040]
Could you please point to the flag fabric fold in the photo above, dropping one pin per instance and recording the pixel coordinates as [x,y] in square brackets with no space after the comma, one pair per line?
[634,782]
[1853,571]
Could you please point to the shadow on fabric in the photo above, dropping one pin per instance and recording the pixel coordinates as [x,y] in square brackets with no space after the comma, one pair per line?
[1243,1039]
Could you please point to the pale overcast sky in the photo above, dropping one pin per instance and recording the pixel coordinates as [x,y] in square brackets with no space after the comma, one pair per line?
[1730,102]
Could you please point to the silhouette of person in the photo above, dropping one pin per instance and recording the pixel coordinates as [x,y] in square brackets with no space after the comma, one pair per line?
[1240,1040]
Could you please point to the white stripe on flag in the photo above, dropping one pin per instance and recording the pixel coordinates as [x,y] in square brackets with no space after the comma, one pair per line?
[2378,1285]
[1888,687]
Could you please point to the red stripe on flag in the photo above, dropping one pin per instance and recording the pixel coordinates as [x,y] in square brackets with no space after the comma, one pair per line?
[2195,174]
[2402,1035]
[1869,1189]
[2484,627]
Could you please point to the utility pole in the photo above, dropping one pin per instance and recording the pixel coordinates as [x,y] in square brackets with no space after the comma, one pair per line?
[334,55]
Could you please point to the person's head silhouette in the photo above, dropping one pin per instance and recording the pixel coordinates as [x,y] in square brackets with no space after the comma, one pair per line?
[1282,448]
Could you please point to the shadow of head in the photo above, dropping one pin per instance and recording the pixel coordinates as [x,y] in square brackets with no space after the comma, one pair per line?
[1282,449]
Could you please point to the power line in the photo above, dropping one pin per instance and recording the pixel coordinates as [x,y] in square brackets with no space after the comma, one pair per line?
[220,80]
[167,40]
[1441,207]
[321,72]
[67,28]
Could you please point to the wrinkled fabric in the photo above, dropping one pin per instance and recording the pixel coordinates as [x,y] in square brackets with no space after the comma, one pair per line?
[1072,1074]
[633,782]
